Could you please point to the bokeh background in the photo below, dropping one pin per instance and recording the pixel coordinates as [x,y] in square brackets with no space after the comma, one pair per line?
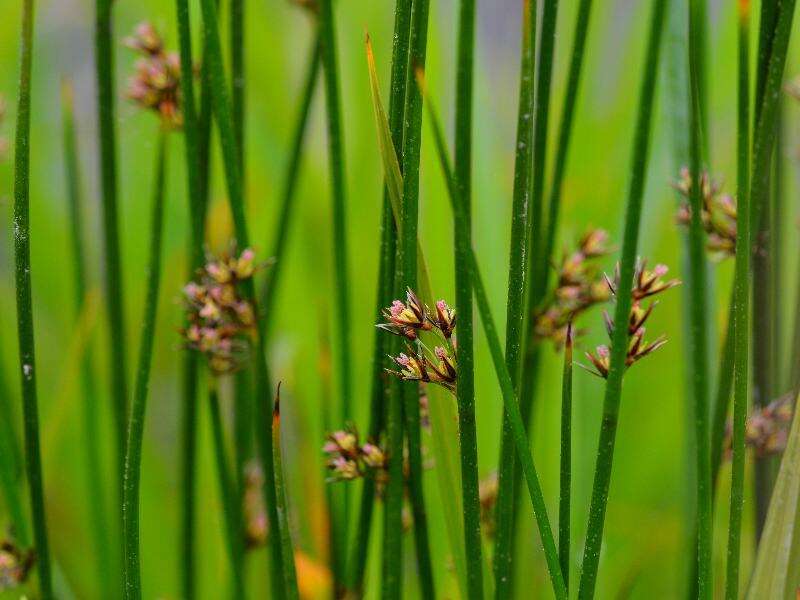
[645,553]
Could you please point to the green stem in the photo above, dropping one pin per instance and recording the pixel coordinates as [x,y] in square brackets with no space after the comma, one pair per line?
[392,565]
[722,398]
[566,460]
[510,401]
[221,104]
[133,456]
[94,468]
[196,205]
[104,56]
[238,78]
[517,271]
[698,313]
[741,304]
[289,573]
[22,261]
[282,225]
[462,222]
[619,343]
[228,494]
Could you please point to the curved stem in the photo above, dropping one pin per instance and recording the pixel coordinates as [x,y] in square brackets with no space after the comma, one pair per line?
[133,456]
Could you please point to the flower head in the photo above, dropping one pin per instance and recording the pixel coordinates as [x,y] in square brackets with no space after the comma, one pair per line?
[155,84]
[15,565]
[406,319]
[717,215]
[445,318]
[418,366]
[348,459]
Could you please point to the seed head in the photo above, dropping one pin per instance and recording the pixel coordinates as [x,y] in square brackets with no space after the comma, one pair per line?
[717,215]
[15,565]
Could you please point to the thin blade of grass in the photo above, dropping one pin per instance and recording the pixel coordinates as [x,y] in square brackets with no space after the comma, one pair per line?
[22,262]
[289,573]
[104,57]
[221,104]
[565,481]
[608,430]
[133,457]
[741,304]
[517,280]
[94,464]
[228,495]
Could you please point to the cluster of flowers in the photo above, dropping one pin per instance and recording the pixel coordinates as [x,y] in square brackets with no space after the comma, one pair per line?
[15,565]
[646,283]
[156,83]
[579,287]
[349,459]
[420,364]
[718,213]
[767,429]
[221,322]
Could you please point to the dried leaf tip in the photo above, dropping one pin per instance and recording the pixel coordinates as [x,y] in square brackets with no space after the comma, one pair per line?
[276,409]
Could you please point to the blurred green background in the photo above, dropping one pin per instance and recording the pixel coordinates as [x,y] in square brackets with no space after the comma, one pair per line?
[645,553]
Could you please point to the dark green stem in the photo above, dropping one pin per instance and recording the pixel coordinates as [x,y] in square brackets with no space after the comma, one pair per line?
[722,398]
[221,104]
[229,496]
[698,313]
[565,481]
[517,276]
[22,262]
[238,78]
[104,57]
[741,304]
[619,343]
[94,468]
[133,456]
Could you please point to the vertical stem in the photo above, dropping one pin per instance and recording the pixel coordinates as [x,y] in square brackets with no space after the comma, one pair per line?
[517,277]
[289,573]
[133,456]
[228,494]
[465,392]
[196,205]
[94,463]
[407,277]
[565,480]
[238,79]
[104,57]
[282,225]
[222,111]
[722,397]
[392,541]
[22,262]
[619,343]
[741,303]
[698,313]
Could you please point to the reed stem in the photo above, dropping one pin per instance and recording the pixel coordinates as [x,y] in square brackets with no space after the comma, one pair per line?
[228,494]
[517,277]
[22,262]
[565,481]
[94,463]
[741,304]
[133,457]
[106,94]
[619,344]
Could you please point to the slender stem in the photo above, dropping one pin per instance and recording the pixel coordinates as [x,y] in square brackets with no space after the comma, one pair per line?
[566,460]
[763,144]
[94,469]
[608,430]
[741,304]
[196,205]
[222,111]
[462,224]
[722,398]
[133,457]
[565,129]
[392,565]
[22,261]
[282,225]
[238,78]
[510,401]
[289,573]
[517,276]
[104,57]
[698,313]
[228,495]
